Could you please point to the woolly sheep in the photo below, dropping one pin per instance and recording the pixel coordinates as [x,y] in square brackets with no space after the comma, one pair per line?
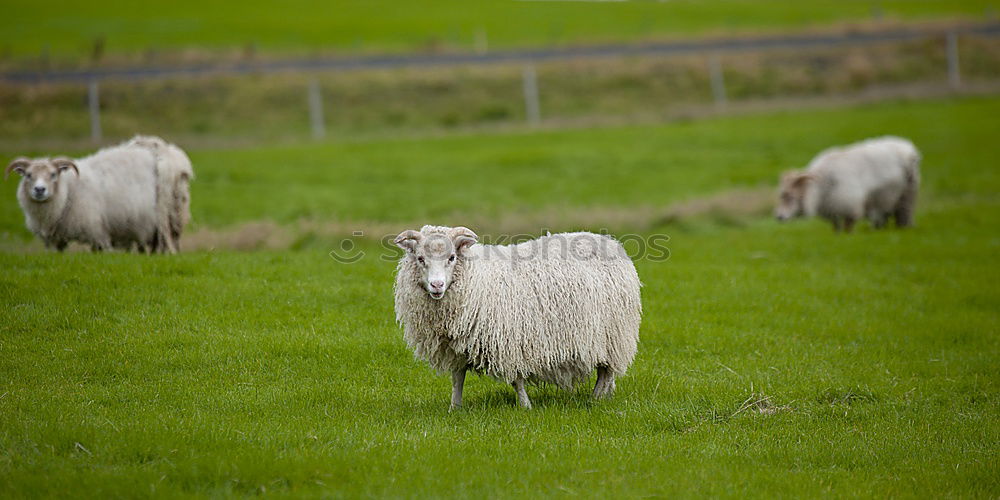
[132,193]
[549,310]
[875,178]
[174,174]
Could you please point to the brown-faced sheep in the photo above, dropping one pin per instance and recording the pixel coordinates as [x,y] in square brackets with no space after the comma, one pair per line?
[876,178]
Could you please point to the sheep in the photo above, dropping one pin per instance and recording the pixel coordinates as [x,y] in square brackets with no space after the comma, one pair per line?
[549,310]
[173,198]
[875,178]
[132,193]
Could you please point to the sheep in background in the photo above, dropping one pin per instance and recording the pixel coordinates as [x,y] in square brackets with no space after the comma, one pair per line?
[173,198]
[876,178]
[133,193]
[549,310]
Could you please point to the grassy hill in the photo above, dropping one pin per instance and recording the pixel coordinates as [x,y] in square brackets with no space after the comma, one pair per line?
[68,29]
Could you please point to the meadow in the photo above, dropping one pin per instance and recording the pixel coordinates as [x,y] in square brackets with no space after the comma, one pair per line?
[775,360]
[216,110]
[68,31]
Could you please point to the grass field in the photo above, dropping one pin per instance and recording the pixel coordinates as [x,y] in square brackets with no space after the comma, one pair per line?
[774,360]
[67,29]
[449,178]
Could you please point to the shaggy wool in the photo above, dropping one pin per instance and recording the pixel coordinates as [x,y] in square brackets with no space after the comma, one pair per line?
[548,310]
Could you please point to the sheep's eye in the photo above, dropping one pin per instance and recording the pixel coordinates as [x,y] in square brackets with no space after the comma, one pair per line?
[27,176]
[53,176]
[452,258]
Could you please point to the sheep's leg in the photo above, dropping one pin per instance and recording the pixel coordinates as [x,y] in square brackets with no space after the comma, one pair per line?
[849,224]
[837,226]
[878,219]
[904,212]
[522,394]
[100,246]
[155,244]
[457,383]
[605,385]
[151,243]
[61,245]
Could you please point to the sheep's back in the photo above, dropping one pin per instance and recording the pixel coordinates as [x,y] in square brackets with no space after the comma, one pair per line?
[870,172]
[120,184]
[551,309]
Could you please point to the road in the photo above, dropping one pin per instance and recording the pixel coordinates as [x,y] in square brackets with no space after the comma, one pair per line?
[511,56]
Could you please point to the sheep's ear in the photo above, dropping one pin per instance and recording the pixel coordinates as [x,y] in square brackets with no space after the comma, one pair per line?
[803,179]
[791,175]
[407,240]
[18,165]
[463,238]
[64,164]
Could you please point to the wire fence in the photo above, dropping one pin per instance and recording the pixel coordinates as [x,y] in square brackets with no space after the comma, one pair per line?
[713,52]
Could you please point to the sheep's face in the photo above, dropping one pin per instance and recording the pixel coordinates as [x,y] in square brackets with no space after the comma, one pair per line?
[435,252]
[40,179]
[792,194]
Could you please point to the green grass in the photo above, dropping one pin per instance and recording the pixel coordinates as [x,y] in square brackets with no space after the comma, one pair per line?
[447,178]
[213,373]
[68,29]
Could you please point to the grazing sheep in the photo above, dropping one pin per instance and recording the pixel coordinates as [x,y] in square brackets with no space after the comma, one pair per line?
[547,310]
[133,193]
[875,178]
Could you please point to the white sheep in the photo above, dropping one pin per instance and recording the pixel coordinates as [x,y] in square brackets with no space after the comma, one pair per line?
[876,178]
[174,174]
[547,310]
[132,193]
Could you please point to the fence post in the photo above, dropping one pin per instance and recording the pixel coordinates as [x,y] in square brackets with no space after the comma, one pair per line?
[531,107]
[717,81]
[954,76]
[316,110]
[482,41]
[94,105]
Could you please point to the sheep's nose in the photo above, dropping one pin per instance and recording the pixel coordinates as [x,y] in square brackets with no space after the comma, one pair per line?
[39,189]
[437,284]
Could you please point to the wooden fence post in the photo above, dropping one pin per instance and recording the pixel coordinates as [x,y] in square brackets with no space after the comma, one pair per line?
[531,106]
[316,110]
[94,106]
[954,76]
[718,81]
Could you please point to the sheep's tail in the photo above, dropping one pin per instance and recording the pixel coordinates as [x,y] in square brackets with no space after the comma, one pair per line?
[907,202]
[173,173]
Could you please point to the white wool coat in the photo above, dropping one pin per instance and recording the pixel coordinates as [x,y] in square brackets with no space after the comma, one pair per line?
[874,178]
[548,310]
[132,193]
